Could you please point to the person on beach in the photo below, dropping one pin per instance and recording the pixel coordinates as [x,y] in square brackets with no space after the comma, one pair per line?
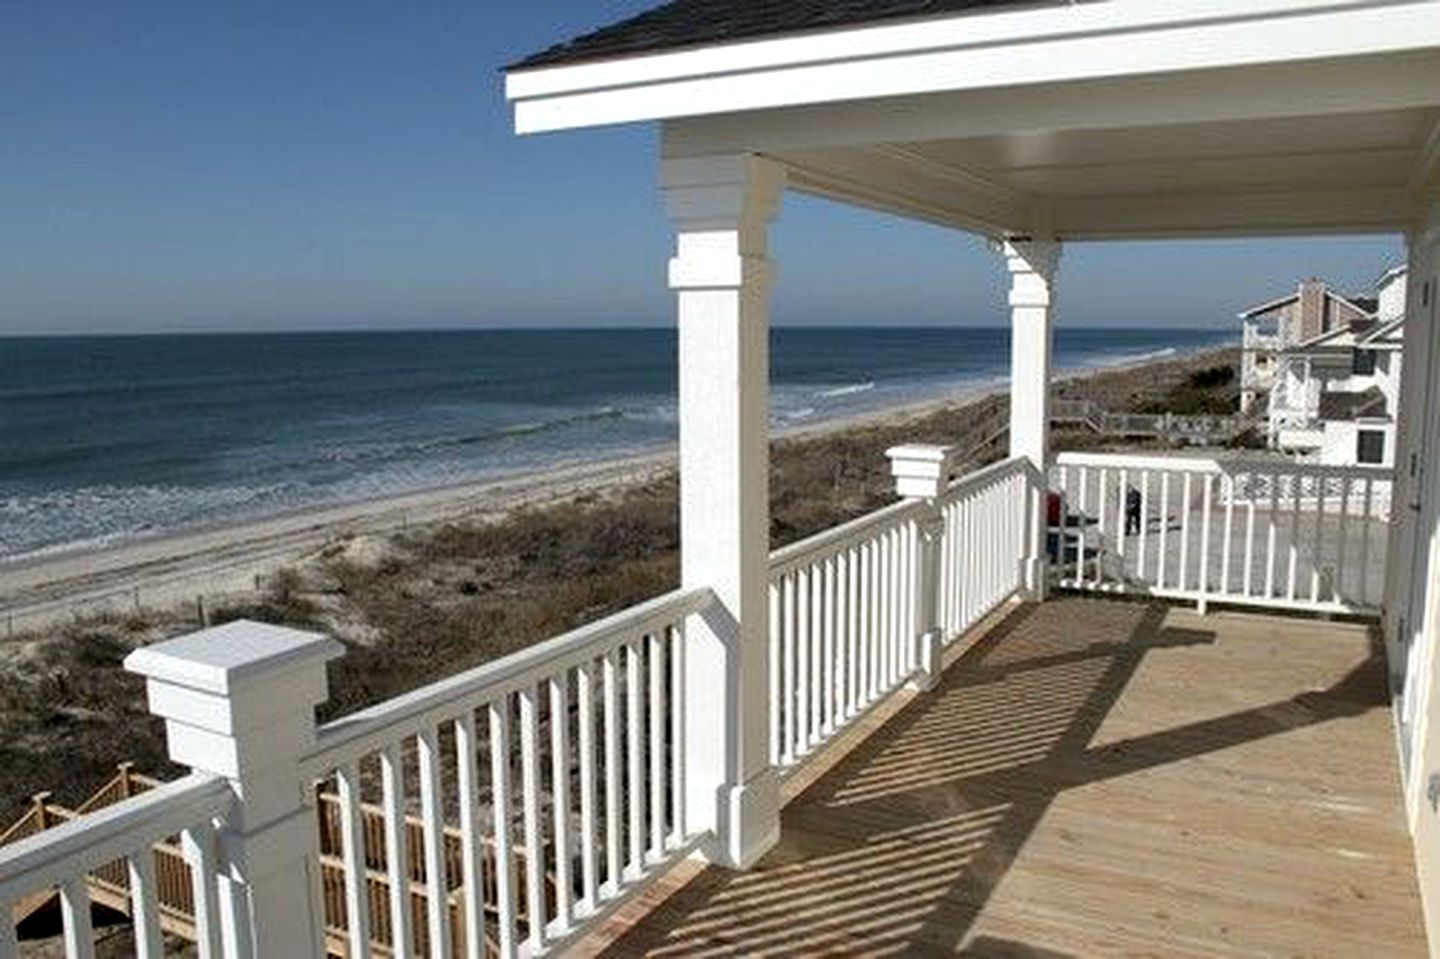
[1132,510]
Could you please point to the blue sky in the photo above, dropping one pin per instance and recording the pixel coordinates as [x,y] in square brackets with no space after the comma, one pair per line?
[201,166]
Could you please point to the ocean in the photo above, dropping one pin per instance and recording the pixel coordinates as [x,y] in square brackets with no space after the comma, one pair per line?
[105,439]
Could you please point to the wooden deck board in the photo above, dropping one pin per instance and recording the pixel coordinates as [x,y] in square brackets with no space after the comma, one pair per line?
[1092,778]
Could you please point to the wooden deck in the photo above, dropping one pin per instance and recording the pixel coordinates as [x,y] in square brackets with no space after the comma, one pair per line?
[1093,778]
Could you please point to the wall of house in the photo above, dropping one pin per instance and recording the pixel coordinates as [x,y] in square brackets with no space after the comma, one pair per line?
[1412,618]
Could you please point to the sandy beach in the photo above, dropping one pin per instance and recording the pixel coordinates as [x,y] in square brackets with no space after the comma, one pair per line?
[210,564]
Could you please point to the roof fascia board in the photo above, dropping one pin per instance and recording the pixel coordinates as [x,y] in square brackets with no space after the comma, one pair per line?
[969,51]
[1275,304]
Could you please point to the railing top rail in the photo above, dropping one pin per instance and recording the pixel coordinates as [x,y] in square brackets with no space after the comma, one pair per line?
[986,474]
[1221,466]
[837,538]
[88,842]
[352,736]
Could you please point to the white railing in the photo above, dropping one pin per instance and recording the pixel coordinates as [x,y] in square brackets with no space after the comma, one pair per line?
[111,853]
[575,746]
[841,626]
[1278,533]
[852,608]
[509,809]
[986,540]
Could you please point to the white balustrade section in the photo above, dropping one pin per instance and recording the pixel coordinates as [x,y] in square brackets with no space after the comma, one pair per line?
[113,850]
[1250,530]
[841,626]
[572,750]
[851,610]
[987,537]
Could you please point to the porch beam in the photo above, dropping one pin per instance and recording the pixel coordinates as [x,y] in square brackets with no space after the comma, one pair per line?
[721,207]
[1222,213]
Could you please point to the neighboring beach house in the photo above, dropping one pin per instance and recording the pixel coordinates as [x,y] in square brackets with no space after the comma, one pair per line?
[912,733]
[1278,325]
[1334,395]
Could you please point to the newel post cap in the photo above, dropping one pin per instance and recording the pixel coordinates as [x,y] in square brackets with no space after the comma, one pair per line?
[921,469]
[230,659]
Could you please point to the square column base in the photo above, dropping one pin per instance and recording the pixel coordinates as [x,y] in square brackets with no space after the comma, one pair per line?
[749,822]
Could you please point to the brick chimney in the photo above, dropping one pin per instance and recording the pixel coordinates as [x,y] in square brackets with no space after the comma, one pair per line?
[1310,310]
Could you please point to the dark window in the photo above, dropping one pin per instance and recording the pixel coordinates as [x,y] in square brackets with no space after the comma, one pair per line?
[1364,363]
[1370,446]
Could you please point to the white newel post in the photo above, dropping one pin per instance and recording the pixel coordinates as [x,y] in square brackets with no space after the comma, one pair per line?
[239,701]
[721,208]
[1032,265]
[921,473]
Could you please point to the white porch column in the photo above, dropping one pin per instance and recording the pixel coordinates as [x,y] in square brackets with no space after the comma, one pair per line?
[1032,265]
[721,207]
[239,701]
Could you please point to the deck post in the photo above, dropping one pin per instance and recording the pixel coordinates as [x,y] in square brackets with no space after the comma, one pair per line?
[1032,264]
[921,474]
[239,701]
[721,207]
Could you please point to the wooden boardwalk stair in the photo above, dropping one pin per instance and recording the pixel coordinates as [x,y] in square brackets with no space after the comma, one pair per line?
[109,885]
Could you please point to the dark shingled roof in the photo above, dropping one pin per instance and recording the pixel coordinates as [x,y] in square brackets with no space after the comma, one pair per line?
[690,23]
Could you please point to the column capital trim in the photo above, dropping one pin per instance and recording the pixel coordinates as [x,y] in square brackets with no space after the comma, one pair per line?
[733,191]
[1029,255]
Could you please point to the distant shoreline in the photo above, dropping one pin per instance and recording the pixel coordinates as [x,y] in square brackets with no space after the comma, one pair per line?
[174,568]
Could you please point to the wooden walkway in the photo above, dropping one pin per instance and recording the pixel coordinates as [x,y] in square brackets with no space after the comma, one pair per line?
[1093,778]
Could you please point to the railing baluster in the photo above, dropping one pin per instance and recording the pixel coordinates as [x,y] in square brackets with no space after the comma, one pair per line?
[1227,487]
[1365,540]
[197,845]
[1144,524]
[1270,536]
[610,670]
[560,795]
[1294,551]
[1250,497]
[1204,585]
[589,872]
[472,873]
[1162,555]
[656,716]
[397,853]
[9,948]
[634,783]
[852,638]
[1182,571]
[1102,497]
[352,838]
[535,912]
[144,907]
[505,898]
[78,935]
[1317,551]
[437,899]
[1337,589]
[802,661]
[790,686]
[677,732]
[827,700]
[776,680]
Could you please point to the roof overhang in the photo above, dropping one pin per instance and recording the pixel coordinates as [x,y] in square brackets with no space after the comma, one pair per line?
[1124,118]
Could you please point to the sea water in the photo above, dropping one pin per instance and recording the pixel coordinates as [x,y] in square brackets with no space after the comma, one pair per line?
[104,439]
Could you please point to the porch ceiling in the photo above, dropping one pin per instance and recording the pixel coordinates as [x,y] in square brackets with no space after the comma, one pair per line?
[1345,172]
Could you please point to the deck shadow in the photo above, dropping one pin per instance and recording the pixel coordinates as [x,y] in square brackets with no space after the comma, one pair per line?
[900,845]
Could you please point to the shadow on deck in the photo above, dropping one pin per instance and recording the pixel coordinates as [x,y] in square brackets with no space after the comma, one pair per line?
[1092,777]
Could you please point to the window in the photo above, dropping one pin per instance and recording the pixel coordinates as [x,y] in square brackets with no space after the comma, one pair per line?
[1370,446]
[1364,363]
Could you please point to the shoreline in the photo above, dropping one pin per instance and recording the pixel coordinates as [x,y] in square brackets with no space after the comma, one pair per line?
[197,565]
